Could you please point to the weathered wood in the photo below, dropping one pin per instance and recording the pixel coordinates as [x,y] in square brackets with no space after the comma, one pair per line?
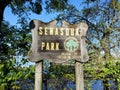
[38,76]
[58,44]
[79,76]
[84,52]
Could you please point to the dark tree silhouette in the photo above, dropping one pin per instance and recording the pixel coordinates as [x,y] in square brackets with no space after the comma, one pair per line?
[3,4]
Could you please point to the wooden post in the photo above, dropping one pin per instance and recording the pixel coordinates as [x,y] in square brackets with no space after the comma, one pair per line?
[79,76]
[38,76]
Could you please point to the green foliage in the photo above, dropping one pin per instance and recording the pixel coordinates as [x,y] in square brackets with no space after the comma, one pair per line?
[118,5]
[87,85]
[36,5]
[56,5]
[70,77]
[13,44]
[102,71]
[58,75]
[26,6]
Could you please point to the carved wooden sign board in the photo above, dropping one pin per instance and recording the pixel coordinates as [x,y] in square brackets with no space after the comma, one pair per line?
[58,43]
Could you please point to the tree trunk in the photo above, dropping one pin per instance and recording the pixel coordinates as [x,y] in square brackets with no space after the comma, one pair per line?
[1,14]
[3,4]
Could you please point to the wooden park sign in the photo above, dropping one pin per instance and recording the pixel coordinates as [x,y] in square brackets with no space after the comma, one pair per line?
[58,44]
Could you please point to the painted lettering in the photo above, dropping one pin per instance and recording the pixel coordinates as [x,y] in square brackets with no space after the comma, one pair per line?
[51,31]
[50,46]
[56,31]
[59,31]
[46,31]
[40,31]
[42,45]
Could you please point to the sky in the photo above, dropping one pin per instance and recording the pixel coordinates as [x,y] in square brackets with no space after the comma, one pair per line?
[12,19]
[44,16]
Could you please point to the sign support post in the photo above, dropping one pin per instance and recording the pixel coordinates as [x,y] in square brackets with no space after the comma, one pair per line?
[38,76]
[79,76]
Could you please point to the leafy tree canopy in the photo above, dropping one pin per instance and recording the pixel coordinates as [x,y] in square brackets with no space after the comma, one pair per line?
[21,7]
